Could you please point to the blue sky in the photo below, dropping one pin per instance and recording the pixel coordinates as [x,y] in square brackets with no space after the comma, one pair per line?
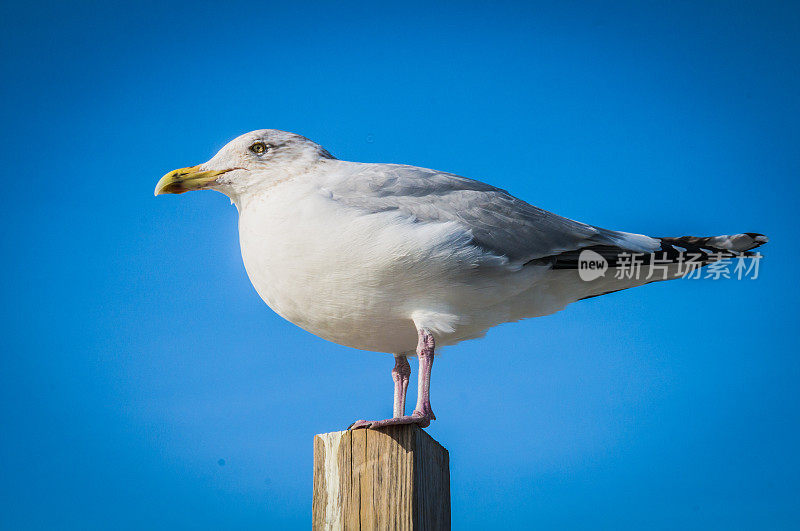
[145,385]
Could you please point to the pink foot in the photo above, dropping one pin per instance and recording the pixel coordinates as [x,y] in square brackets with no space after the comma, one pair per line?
[423,414]
[424,420]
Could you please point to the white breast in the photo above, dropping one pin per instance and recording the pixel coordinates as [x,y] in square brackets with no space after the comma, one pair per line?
[363,280]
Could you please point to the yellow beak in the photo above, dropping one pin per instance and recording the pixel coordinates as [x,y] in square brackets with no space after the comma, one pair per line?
[185,180]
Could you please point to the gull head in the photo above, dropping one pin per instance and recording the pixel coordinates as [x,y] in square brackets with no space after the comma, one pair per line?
[249,163]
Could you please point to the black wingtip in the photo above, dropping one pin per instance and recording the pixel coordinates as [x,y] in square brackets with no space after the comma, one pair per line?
[758,239]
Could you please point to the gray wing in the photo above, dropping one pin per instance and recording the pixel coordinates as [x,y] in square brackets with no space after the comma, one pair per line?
[498,221]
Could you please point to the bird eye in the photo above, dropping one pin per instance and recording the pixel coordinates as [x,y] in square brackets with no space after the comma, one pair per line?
[259,148]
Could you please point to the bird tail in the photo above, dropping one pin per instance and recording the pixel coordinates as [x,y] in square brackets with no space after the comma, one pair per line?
[671,259]
[700,249]
[711,248]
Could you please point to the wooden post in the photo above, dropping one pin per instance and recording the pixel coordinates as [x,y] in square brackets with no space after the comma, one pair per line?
[395,477]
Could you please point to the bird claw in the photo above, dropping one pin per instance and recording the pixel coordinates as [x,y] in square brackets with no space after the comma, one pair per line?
[421,419]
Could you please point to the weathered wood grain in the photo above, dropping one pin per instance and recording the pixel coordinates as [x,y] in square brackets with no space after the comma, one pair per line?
[396,477]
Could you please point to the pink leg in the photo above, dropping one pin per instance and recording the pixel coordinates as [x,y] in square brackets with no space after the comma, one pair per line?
[423,414]
[400,374]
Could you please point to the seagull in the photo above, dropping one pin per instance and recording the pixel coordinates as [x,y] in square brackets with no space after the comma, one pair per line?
[403,260]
